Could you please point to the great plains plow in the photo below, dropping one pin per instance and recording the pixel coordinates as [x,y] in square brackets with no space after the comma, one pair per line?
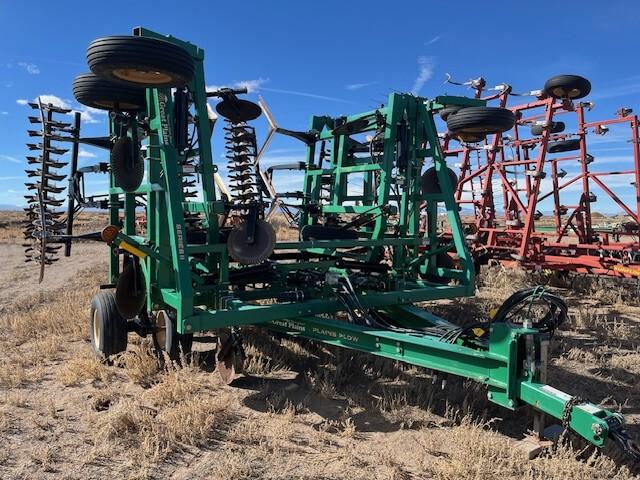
[369,248]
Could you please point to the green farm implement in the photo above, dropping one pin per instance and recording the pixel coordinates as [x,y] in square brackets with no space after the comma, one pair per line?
[190,253]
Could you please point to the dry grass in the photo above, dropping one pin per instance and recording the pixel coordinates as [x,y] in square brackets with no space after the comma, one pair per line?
[140,363]
[150,433]
[59,313]
[11,224]
[304,411]
[81,368]
[284,231]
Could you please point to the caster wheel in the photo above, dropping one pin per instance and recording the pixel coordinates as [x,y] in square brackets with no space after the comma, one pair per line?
[167,338]
[107,329]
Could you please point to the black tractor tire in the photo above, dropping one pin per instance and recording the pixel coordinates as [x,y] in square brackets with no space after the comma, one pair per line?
[480,120]
[567,86]
[564,146]
[449,110]
[430,183]
[140,61]
[556,127]
[126,165]
[107,329]
[95,92]
[130,293]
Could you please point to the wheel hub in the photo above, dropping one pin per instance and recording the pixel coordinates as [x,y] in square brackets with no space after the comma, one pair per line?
[141,76]
[96,329]
[161,329]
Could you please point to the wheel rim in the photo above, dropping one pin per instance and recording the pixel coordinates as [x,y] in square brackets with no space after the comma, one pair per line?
[161,330]
[563,92]
[142,76]
[96,329]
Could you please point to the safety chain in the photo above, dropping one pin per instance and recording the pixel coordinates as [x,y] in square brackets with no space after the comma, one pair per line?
[568,408]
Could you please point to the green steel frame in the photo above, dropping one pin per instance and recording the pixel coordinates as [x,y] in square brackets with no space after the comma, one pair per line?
[193,281]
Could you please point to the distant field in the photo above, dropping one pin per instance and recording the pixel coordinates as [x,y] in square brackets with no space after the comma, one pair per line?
[303,410]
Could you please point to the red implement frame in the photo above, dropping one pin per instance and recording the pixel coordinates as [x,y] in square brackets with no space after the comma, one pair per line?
[517,171]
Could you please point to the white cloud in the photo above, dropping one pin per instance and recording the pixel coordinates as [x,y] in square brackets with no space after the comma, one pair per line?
[96,181]
[623,88]
[358,86]
[9,158]
[88,114]
[285,150]
[306,94]
[54,100]
[254,86]
[31,68]
[432,41]
[425,71]
[251,85]
[86,154]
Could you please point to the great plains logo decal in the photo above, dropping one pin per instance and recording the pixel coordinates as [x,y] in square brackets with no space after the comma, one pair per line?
[164,123]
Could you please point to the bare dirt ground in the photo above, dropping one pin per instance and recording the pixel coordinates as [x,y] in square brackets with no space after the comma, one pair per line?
[302,411]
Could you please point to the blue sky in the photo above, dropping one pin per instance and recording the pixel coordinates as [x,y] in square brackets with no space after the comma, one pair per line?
[325,58]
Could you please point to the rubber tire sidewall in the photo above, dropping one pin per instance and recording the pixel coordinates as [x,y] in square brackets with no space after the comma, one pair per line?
[122,149]
[560,146]
[176,343]
[561,81]
[89,89]
[434,188]
[107,54]
[481,120]
[113,328]
[128,274]
[556,127]
[449,110]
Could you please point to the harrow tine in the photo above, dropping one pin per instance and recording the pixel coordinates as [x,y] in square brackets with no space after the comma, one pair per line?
[57,151]
[51,249]
[52,163]
[49,176]
[55,178]
[52,149]
[48,188]
[55,164]
[47,261]
[54,108]
[59,125]
[59,138]
[47,201]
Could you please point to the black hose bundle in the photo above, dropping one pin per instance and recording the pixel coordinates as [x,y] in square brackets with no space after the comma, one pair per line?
[536,307]
[544,310]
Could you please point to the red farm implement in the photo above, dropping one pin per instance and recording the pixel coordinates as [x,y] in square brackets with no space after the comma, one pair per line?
[537,191]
